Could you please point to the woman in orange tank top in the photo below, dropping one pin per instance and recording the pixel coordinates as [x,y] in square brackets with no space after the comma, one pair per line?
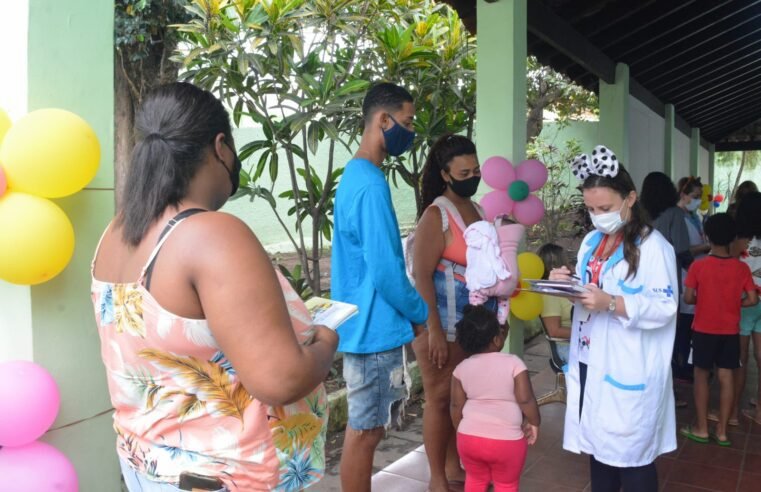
[450,178]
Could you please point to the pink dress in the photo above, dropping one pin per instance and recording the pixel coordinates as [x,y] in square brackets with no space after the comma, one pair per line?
[179,405]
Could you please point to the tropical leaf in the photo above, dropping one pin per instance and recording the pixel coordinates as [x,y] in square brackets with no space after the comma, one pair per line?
[128,310]
[296,431]
[209,382]
[192,406]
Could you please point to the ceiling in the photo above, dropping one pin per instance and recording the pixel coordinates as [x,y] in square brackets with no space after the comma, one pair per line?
[702,56]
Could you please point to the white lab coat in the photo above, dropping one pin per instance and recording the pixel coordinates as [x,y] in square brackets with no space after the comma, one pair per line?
[628,414]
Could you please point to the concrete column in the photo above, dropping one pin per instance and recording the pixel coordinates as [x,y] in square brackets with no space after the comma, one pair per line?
[668,158]
[69,53]
[614,114]
[711,163]
[695,152]
[501,103]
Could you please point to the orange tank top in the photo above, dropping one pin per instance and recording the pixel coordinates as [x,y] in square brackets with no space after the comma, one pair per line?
[455,251]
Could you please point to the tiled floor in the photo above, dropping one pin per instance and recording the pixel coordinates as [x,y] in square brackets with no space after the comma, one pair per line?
[692,467]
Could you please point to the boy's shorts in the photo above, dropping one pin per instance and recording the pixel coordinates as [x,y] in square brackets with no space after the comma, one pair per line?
[722,351]
[377,388]
[750,321]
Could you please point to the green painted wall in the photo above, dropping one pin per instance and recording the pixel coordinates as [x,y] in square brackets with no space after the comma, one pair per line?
[70,66]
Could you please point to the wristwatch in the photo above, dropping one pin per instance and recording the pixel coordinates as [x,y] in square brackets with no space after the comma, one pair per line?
[612,305]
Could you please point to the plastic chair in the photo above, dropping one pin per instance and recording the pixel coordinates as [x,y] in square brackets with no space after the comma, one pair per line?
[557,395]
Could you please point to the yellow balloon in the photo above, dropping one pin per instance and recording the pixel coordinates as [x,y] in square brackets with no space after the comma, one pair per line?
[36,239]
[705,200]
[526,305]
[530,265]
[5,123]
[50,153]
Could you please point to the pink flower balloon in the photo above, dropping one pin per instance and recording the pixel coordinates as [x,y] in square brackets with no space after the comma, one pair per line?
[3,181]
[529,211]
[533,172]
[29,402]
[496,203]
[37,466]
[498,172]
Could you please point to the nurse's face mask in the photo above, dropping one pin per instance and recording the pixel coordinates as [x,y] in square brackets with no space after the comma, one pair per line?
[597,201]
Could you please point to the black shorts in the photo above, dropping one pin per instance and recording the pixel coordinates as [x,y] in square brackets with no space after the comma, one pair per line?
[722,351]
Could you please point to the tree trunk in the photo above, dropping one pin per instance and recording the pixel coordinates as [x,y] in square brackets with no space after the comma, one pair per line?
[124,124]
[535,121]
[743,158]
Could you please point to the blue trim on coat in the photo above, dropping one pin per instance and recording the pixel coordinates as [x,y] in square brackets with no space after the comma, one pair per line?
[629,290]
[622,386]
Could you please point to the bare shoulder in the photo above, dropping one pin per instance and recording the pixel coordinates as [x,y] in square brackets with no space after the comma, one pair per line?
[218,236]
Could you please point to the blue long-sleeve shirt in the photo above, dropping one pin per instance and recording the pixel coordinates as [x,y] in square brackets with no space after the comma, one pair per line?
[367,264]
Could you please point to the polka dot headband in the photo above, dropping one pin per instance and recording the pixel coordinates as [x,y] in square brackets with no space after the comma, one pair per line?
[603,162]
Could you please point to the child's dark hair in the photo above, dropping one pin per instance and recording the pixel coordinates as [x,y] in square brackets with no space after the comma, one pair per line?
[749,215]
[476,329]
[441,154]
[553,256]
[721,229]
[384,95]
[638,226]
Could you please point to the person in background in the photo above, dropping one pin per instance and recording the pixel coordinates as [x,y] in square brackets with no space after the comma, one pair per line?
[749,230]
[742,189]
[450,178]
[206,387]
[488,412]
[659,198]
[690,191]
[556,311]
[717,284]
[368,270]
[620,406]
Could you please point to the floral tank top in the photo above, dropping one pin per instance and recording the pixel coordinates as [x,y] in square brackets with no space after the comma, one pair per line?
[180,407]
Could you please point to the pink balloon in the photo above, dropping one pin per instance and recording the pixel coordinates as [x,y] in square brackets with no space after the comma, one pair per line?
[496,203]
[3,181]
[29,402]
[37,466]
[529,211]
[498,172]
[533,172]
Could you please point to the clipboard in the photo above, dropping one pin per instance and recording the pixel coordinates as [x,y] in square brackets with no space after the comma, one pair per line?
[557,288]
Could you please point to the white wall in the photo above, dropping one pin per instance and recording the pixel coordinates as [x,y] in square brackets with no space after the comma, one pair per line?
[646,141]
[681,166]
[15,300]
[703,164]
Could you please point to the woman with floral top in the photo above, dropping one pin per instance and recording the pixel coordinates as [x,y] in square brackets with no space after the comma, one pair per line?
[213,367]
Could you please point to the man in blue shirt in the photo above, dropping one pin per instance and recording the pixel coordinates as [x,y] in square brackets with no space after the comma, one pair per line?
[368,270]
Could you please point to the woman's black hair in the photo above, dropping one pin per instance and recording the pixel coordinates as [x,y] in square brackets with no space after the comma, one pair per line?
[658,194]
[688,184]
[749,215]
[476,329]
[446,148]
[174,124]
[553,256]
[637,227]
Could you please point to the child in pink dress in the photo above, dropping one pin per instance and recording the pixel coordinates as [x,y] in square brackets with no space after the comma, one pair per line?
[491,396]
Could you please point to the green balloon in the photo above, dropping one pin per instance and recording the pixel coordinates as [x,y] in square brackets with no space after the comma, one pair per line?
[518,191]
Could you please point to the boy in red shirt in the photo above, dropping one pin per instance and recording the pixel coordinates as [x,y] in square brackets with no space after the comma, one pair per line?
[716,285]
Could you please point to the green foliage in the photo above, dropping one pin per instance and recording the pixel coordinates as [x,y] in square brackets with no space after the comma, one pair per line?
[297,280]
[561,198]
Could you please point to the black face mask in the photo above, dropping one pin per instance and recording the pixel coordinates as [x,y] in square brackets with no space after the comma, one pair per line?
[235,171]
[465,188]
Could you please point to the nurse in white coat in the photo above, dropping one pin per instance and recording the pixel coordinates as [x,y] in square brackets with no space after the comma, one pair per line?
[620,401]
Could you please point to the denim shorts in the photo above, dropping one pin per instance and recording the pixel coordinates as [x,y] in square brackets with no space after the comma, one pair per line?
[461,296]
[750,321]
[137,482]
[377,387]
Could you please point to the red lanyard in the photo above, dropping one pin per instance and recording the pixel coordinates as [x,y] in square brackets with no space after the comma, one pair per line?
[597,261]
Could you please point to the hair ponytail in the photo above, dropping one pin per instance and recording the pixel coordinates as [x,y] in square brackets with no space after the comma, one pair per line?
[175,123]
